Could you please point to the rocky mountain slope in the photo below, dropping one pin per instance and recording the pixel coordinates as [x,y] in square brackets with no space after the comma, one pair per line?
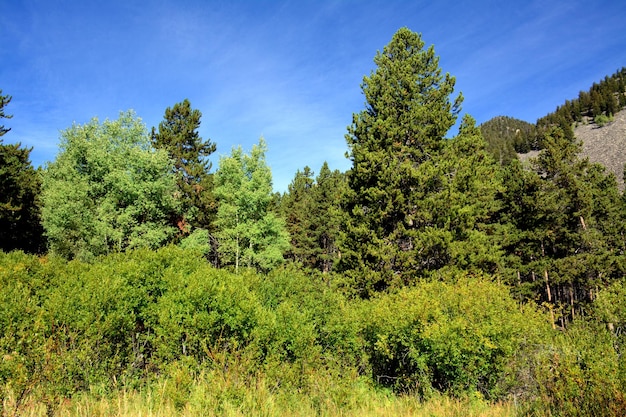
[605,145]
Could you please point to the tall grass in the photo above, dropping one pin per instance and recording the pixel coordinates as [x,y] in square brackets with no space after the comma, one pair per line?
[221,398]
[231,386]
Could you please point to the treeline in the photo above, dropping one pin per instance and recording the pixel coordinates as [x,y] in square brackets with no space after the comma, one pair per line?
[507,136]
[430,266]
[603,99]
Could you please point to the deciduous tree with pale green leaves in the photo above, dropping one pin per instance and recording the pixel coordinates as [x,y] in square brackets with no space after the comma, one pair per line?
[249,235]
[108,190]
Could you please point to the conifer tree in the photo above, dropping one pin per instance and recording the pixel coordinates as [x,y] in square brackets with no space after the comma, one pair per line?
[330,189]
[4,100]
[566,238]
[20,213]
[20,187]
[408,112]
[178,135]
[297,209]
[313,214]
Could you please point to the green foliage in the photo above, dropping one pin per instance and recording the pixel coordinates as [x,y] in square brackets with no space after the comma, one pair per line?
[4,100]
[314,217]
[608,310]
[20,185]
[202,310]
[452,337]
[198,241]
[446,221]
[577,373]
[602,119]
[566,227]
[408,112]
[107,190]
[506,135]
[249,234]
[66,328]
[178,135]
[218,340]
[295,207]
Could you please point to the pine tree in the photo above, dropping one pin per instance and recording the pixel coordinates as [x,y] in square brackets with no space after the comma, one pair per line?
[20,187]
[314,216]
[330,189]
[300,216]
[20,213]
[4,100]
[178,135]
[565,231]
[408,112]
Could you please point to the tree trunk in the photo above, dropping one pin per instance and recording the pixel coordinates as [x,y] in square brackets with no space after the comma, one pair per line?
[545,274]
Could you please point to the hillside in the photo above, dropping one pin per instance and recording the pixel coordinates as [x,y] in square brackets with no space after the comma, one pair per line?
[605,145]
[504,135]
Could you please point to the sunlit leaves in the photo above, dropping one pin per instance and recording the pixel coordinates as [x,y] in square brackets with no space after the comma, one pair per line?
[249,234]
[108,190]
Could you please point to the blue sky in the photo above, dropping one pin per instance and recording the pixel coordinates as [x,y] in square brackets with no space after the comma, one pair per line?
[289,71]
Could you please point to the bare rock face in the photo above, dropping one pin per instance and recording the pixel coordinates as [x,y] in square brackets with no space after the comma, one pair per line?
[606,145]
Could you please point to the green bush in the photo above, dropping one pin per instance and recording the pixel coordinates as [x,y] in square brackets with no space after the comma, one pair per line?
[576,374]
[166,316]
[202,310]
[450,337]
[602,119]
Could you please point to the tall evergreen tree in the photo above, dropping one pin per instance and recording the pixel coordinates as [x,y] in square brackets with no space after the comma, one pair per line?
[314,216]
[20,187]
[408,112]
[4,100]
[567,232]
[297,209]
[178,135]
[330,189]
[20,213]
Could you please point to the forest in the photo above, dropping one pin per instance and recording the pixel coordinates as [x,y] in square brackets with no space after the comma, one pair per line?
[437,276]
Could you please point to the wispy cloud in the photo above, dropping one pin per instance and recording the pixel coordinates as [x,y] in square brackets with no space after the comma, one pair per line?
[287,70]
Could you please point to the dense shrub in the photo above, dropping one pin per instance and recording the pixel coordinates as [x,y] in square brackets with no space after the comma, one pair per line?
[576,374]
[144,317]
[67,327]
[602,119]
[451,337]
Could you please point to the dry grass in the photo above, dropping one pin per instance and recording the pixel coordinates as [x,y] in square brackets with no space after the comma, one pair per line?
[206,400]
